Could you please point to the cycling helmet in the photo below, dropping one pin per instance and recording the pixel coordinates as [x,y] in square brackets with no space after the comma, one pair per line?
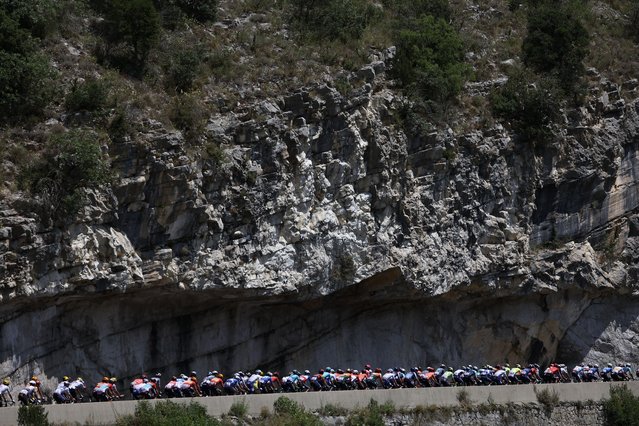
[610,365]
[402,370]
[145,380]
[450,368]
[297,373]
[105,379]
[355,371]
[321,371]
[32,383]
[66,383]
[210,373]
[348,370]
[390,370]
[596,365]
[65,378]
[5,382]
[442,366]
[518,366]
[158,374]
[34,378]
[628,365]
[113,380]
[340,371]
[367,366]
[307,372]
[220,375]
[194,373]
[378,370]
[79,379]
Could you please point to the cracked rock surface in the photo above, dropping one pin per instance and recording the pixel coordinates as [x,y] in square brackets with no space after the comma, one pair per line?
[323,234]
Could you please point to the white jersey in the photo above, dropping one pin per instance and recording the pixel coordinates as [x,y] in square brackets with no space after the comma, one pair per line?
[4,389]
[61,389]
[28,390]
[76,384]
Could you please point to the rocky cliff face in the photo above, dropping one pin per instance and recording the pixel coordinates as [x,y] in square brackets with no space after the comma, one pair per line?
[314,230]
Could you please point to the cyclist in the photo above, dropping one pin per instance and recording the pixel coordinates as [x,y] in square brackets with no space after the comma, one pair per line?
[62,394]
[5,393]
[102,390]
[28,395]
[77,389]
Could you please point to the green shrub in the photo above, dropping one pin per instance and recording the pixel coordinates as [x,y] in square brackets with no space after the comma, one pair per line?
[556,42]
[90,95]
[372,415]
[130,29]
[284,405]
[342,20]
[188,115]
[331,410]
[413,9]
[290,413]
[120,126]
[238,409]
[182,69]
[529,104]
[548,398]
[32,415]
[200,10]
[215,153]
[71,162]
[622,408]
[26,77]
[36,16]
[26,85]
[429,60]
[167,413]
[13,38]
[171,16]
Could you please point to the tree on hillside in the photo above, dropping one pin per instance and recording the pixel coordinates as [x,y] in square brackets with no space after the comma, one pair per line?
[430,59]
[557,41]
[130,29]
[25,74]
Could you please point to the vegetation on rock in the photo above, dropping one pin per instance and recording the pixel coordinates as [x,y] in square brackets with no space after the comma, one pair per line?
[622,408]
[167,413]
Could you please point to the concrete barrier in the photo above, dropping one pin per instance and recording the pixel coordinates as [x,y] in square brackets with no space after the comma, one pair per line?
[106,413]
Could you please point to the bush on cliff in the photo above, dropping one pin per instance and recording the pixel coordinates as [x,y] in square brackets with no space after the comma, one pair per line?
[71,162]
[130,29]
[556,41]
[529,105]
[430,60]
[167,413]
[622,409]
[333,19]
[25,74]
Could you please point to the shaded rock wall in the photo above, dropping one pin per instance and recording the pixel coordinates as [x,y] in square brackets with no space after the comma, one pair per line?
[313,229]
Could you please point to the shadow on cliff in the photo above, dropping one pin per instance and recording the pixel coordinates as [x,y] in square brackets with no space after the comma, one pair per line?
[382,321]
